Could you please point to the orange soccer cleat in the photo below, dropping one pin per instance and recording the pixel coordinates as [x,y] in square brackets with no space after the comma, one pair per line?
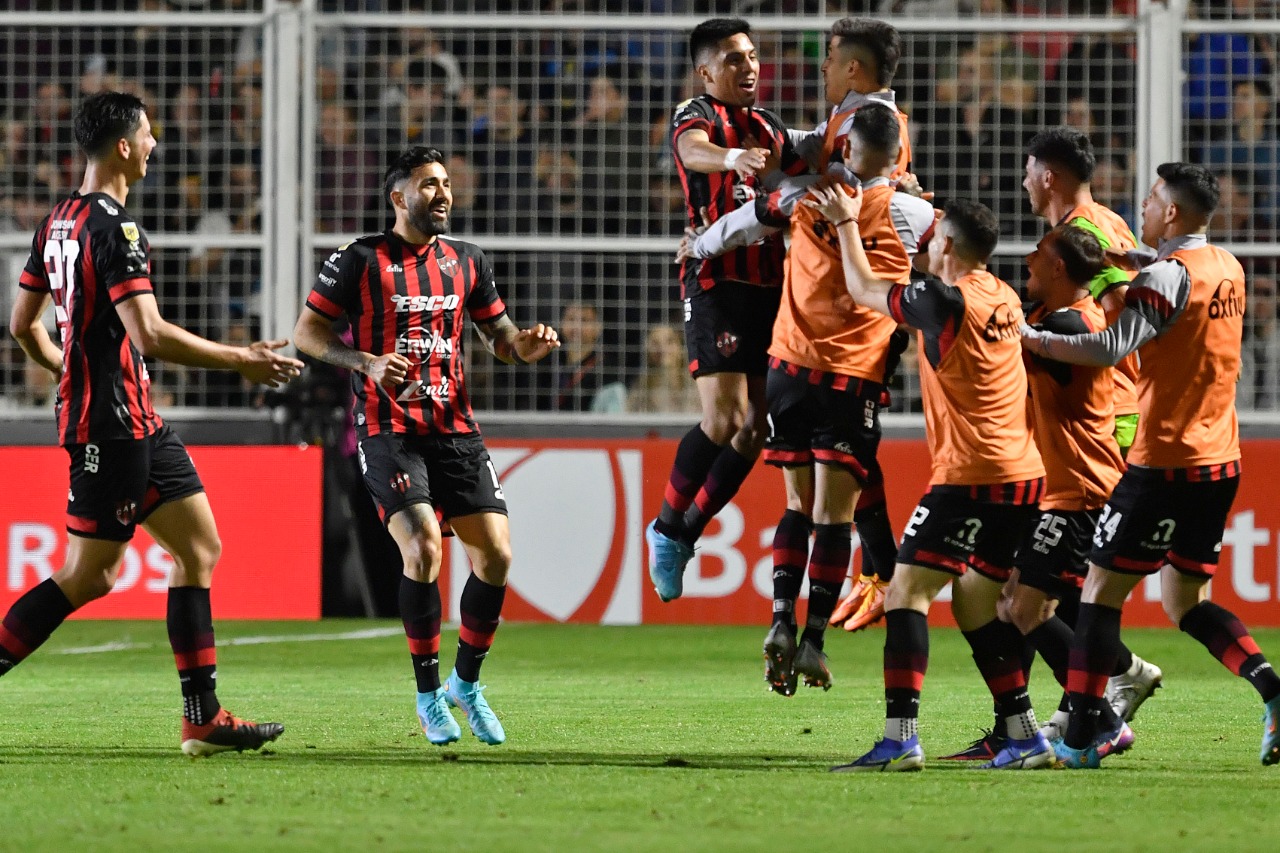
[864,606]
[225,732]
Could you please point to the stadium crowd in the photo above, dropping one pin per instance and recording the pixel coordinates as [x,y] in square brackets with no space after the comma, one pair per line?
[565,133]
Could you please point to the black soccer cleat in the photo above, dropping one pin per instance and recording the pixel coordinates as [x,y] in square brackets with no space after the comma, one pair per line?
[226,732]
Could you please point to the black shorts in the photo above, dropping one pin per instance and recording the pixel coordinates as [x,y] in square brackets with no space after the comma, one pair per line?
[453,473]
[1173,515]
[116,484]
[822,417]
[1055,556]
[728,328]
[952,531]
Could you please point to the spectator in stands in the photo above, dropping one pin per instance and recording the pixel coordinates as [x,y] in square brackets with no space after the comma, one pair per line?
[1099,71]
[1251,146]
[561,207]
[667,216]
[14,145]
[1237,219]
[464,183]
[610,152]
[503,146]
[1214,61]
[580,378]
[1259,386]
[348,176]
[431,115]
[973,142]
[52,144]
[228,281]
[189,159]
[1112,185]
[665,385]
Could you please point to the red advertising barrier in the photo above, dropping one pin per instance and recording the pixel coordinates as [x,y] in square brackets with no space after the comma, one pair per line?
[267,504]
[579,508]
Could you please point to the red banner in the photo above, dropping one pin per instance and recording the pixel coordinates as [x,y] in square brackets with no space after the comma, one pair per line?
[267,504]
[579,508]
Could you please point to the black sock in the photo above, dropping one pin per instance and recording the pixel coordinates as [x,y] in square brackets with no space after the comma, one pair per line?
[906,661]
[790,556]
[190,623]
[723,481]
[1228,640]
[1091,660]
[1053,641]
[1124,660]
[997,650]
[828,567]
[694,457]
[420,613]
[30,621]
[481,609]
[879,548]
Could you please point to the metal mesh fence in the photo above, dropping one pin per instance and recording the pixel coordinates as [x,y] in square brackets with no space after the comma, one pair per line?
[556,131]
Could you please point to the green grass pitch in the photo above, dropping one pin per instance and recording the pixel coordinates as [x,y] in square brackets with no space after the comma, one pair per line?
[618,739]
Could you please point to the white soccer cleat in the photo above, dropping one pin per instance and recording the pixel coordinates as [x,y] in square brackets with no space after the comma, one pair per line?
[1128,691]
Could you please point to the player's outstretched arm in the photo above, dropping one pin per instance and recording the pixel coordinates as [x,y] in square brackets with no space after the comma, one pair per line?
[842,210]
[1104,348]
[513,345]
[30,333]
[314,335]
[156,337]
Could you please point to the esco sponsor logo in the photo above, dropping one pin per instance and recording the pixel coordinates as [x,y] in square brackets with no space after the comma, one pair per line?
[435,302]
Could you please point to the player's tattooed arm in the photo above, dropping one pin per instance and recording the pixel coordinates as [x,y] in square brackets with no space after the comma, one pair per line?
[513,345]
[314,335]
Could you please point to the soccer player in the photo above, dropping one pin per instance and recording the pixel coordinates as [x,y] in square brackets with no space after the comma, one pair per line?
[829,359]
[862,59]
[405,292]
[128,468]
[722,144]
[987,474]
[1060,164]
[1073,421]
[1184,316]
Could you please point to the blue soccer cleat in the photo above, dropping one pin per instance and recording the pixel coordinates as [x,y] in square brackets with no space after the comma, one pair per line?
[467,696]
[1271,733]
[1069,758]
[1112,742]
[437,723]
[667,559]
[1032,753]
[887,756]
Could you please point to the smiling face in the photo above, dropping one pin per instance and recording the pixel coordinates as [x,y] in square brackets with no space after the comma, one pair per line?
[1037,182]
[427,199]
[836,72]
[140,145]
[731,73]
[1157,213]
[1045,268]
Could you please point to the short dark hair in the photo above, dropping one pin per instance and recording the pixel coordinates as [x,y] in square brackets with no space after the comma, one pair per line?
[1190,186]
[1065,148]
[710,33]
[973,228]
[103,119]
[873,43]
[1081,252]
[877,126]
[406,163]
[1260,84]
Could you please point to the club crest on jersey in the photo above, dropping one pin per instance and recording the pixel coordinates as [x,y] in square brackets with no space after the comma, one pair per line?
[400,482]
[109,208]
[449,266]
[125,512]
[1002,325]
[130,230]
[727,343]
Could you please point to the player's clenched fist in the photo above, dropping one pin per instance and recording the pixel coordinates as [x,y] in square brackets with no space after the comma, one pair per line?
[389,370]
[265,366]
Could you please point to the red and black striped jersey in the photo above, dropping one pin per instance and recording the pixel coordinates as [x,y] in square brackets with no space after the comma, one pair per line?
[410,300]
[90,255]
[722,193]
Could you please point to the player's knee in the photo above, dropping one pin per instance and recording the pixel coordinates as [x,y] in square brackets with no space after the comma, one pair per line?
[82,585]
[494,564]
[1027,613]
[422,558]
[1176,603]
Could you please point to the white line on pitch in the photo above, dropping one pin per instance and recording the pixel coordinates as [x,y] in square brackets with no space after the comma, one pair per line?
[364,634]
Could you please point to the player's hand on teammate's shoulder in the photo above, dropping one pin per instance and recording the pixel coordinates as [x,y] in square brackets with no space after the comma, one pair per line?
[389,369]
[910,184]
[834,204]
[535,343]
[265,366]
